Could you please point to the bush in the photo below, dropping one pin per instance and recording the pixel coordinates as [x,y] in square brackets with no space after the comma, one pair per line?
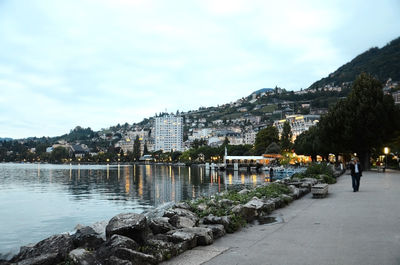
[322,172]
[318,169]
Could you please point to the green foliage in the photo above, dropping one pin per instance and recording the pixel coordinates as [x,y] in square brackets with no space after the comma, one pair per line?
[58,154]
[286,137]
[136,148]
[322,172]
[365,120]
[273,148]
[264,138]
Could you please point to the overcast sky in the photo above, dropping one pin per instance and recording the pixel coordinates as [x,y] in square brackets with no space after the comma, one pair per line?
[97,63]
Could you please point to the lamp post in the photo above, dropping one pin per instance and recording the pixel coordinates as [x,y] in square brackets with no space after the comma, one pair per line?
[386,151]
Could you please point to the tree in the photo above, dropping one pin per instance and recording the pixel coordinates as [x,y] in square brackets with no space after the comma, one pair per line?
[136,148]
[226,141]
[365,120]
[264,138]
[286,137]
[58,154]
[273,148]
[145,149]
[309,143]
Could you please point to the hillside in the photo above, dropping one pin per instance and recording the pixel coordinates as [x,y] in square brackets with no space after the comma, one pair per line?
[383,63]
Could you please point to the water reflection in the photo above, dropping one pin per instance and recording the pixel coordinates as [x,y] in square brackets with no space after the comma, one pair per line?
[38,200]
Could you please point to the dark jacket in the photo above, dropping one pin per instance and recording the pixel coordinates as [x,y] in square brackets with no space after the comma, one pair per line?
[353,169]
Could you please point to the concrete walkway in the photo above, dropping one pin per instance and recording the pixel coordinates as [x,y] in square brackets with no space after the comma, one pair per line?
[345,228]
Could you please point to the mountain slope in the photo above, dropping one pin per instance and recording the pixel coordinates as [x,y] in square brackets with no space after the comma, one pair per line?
[382,63]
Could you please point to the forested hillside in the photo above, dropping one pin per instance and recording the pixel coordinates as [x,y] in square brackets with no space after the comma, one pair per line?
[383,63]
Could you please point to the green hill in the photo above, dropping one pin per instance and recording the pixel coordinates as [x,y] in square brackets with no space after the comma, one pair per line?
[383,63]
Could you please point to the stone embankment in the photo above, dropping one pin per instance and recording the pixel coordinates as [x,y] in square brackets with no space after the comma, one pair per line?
[131,238]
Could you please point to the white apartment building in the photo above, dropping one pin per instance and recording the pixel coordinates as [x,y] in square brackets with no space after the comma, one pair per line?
[249,137]
[298,123]
[169,133]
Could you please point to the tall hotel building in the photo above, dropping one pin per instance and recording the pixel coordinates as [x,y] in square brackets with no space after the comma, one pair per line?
[169,133]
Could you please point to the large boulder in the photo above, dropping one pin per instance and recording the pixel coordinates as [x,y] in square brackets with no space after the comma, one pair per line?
[211,219]
[132,225]
[81,256]
[203,235]
[117,261]
[182,221]
[57,246]
[115,242]
[162,250]
[135,257]
[183,213]
[218,230]
[252,209]
[45,259]
[87,237]
[186,240]
[295,192]
[182,205]
[160,225]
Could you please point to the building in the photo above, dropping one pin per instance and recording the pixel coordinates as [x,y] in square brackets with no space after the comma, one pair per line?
[249,137]
[169,133]
[396,97]
[298,123]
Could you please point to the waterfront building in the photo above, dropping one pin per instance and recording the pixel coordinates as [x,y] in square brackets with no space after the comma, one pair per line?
[169,133]
[298,123]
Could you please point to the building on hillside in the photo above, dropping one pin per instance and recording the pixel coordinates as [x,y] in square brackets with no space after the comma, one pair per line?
[249,137]
[78,150]
[169,133]
[298,123]
[396,97]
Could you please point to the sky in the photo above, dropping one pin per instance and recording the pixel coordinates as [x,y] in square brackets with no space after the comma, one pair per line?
[97,63]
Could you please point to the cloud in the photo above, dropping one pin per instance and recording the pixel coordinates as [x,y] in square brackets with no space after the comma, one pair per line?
[97,63]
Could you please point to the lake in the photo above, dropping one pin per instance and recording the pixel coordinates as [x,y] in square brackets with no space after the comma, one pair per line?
[39,200]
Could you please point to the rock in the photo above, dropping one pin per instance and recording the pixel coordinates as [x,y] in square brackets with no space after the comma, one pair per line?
[286,199]
[243,192]
[116,261]
[134,256]
[182,221]
[173,214]
[100,228]
[186,240]
[304,191]
[218,230]
[160,249]
[225,203]
[115,242]
[203,235]
[86,237]
[295,192]
[160,225]
[182,205]
[132,225]
[81,256]
[45,259]
[223,220]
[60,245]
[252,209]
[202,207]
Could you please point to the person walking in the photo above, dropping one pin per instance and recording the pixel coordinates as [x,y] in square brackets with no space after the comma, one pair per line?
[356,173]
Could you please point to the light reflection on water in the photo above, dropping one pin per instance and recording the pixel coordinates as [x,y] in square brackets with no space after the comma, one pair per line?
[38,200]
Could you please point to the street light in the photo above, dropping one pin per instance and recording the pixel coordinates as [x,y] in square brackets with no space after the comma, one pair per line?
[386,151]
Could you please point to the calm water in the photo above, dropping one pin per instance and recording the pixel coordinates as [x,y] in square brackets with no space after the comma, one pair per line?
[39,200]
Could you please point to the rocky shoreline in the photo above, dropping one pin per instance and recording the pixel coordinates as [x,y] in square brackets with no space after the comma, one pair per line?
[153,237]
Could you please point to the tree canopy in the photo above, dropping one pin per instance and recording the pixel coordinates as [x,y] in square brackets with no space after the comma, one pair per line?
[264,138]
[365,120]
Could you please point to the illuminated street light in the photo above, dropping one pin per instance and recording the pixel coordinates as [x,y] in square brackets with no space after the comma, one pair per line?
[386,151]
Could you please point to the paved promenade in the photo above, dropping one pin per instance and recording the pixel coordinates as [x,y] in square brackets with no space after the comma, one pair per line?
[345,228]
